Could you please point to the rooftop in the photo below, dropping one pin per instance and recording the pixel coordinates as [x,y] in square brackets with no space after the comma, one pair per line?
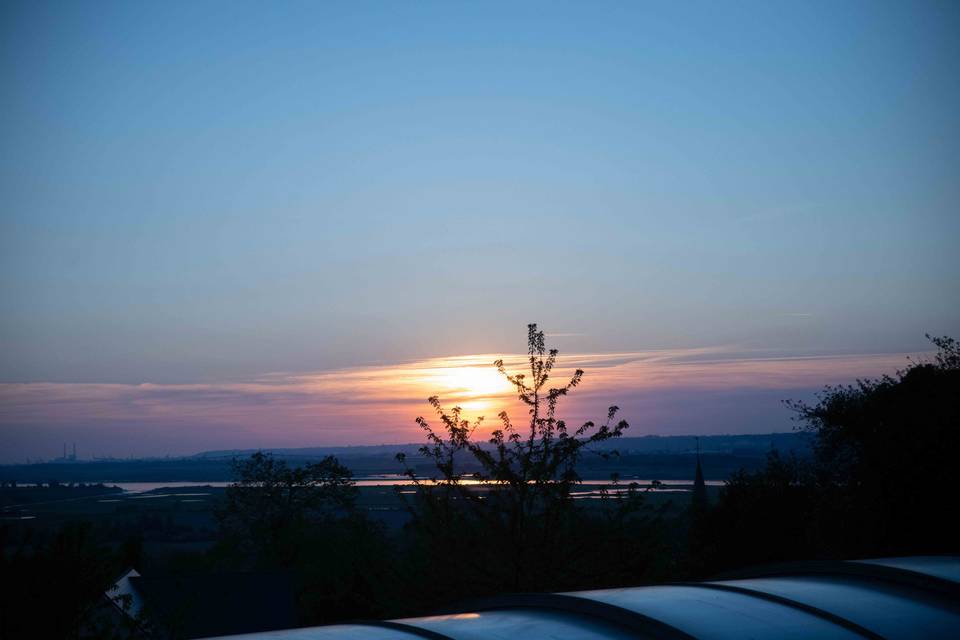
[906,597]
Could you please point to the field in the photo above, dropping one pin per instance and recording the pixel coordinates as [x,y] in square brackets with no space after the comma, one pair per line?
[180,520]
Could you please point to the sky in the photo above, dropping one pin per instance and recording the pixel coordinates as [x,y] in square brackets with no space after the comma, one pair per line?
[213,214]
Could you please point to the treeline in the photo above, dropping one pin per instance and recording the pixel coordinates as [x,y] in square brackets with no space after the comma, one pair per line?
[879,482]
[662,457]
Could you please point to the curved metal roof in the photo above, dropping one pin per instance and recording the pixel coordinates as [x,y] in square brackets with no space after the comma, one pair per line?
[877,598]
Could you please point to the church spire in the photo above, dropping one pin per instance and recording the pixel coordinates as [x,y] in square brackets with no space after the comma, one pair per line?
[699,499]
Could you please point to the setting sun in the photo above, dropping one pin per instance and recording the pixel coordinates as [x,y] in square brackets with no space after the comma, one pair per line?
[318,313]
[474,382]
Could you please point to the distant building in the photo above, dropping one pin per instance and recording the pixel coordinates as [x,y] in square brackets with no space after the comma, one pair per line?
[71,457]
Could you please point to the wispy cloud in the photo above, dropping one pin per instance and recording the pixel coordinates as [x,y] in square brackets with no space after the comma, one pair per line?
[377,403]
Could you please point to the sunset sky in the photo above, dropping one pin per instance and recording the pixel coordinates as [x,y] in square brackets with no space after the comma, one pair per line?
[246,224]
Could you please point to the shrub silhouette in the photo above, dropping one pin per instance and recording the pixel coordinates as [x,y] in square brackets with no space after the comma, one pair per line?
[880,480]
[513,524]
[272,505]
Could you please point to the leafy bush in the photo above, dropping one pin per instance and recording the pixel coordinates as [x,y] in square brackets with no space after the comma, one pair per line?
[514,524]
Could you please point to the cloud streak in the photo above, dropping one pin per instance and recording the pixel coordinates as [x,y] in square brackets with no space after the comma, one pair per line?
[682,390]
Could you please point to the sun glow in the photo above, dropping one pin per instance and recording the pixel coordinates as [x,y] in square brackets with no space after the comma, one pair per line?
[475,389]
[377,403]
[473,382]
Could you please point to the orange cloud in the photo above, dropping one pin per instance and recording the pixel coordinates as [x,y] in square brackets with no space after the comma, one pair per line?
[376,404]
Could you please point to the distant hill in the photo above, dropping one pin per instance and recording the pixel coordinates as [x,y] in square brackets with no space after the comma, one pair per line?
[648,457]
[744,443]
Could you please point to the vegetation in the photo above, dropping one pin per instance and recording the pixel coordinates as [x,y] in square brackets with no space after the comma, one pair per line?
[54,586]
[520,528]
[880,481]
[271,506]
[501,514]
[302,520]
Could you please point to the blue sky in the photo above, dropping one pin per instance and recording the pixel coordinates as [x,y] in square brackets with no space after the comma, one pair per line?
[197,192]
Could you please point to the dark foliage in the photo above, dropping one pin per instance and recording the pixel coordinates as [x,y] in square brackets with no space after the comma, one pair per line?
[880,482]
[57,587]
[271,506]
[513,524]
[302,519]
[500,514]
